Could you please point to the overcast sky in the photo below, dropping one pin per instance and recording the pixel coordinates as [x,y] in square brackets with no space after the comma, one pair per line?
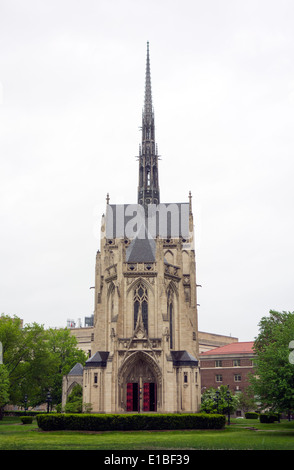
[72,77]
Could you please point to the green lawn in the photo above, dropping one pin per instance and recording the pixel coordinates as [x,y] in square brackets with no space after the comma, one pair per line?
[237,436]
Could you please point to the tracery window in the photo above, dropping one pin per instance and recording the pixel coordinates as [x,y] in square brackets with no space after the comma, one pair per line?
[141,301]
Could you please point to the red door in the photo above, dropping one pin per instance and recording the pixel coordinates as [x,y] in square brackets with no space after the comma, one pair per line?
[153,397]
[129,397]
[132,396]
[146,397]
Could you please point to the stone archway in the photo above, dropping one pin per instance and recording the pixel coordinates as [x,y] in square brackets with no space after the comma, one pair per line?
[139,382]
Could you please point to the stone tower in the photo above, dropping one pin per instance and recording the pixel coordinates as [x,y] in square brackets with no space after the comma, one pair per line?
[145,341]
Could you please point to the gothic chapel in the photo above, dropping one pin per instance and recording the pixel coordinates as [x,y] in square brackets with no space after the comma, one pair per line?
[145,342]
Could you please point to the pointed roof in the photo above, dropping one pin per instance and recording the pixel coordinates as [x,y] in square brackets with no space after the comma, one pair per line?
[76,370]
[141,251]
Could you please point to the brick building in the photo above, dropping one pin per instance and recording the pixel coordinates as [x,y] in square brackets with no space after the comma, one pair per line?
[227,365]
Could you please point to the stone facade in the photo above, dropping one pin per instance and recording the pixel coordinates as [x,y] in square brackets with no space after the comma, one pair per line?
[145,330]
[207,341]
[144,346]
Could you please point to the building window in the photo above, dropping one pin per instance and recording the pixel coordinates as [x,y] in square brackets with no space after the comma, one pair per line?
[237,378]
[141,303]
[95,378]
[218,363]
[170,313]
[236,362]
[171,326]
[185,377]
[218,378]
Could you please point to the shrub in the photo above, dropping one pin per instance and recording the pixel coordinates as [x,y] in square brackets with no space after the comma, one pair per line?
[267,418]
[74,406]
[251,415]
[21,413]
[74,403]
[26,419]
[129,422]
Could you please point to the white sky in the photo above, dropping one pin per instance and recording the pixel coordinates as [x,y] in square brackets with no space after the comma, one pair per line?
[72,77]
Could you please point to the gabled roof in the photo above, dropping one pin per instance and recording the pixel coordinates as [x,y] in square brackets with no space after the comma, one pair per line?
[232,348]
[76,370]
[141,250]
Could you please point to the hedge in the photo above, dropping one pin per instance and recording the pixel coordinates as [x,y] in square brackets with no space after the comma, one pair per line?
[22,413]
[269,417]
[129,422]
[251,415]
[27,419]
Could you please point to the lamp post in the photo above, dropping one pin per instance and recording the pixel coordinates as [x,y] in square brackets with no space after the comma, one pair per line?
[49,400]
[26,403]
[229,401]
[217,399]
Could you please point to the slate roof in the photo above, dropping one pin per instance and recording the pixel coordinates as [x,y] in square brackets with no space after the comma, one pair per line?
[183,358]
[141,251]
[98,360]
[76,370]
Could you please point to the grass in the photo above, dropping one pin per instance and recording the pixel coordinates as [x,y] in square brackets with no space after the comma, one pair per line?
[240,435]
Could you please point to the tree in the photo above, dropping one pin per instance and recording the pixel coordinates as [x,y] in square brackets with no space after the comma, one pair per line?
[247,401]
[36,360]
[25,356]
[74,403]
[216,400]
[4,388]
[273,378]
[63,348]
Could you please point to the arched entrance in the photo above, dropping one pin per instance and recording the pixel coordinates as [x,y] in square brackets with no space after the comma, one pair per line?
[140,383]
[137,402]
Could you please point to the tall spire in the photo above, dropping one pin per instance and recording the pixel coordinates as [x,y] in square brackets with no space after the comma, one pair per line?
[148,189]
[148,111]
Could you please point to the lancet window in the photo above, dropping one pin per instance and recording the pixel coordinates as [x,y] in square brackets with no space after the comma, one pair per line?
[170,313]
[141,303]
